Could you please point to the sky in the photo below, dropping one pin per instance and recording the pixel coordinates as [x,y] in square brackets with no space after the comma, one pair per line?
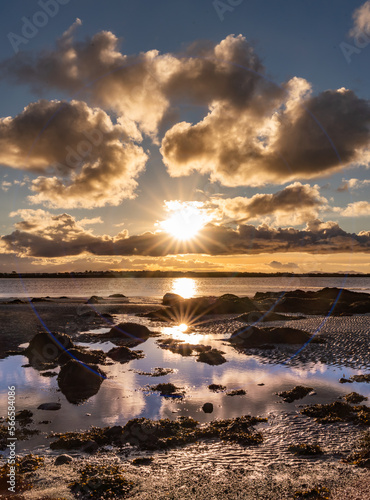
[185,135]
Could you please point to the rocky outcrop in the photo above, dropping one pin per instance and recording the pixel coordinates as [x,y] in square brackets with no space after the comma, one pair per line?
[255,337]
[79,381]
[333,301]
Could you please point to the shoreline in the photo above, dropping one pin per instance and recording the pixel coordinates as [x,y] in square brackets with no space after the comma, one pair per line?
[204,469]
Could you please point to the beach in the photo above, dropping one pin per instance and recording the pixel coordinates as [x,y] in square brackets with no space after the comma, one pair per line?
[206,362]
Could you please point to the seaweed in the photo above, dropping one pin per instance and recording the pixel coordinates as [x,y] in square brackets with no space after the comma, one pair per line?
[306,449]
[361,455]
[297,392]
[354,398]
[338,412]
[101,481]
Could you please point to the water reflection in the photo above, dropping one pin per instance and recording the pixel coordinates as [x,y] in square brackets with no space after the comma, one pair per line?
[186,287]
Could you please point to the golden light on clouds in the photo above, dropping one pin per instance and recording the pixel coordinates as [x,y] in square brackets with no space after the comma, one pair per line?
[185,219]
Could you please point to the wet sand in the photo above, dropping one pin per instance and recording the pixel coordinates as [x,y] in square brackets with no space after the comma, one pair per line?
[213,469]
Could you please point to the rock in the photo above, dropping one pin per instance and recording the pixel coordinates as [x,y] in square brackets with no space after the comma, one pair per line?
[94,300]
[170,299]
[129,331]
[47,347]
[83,355]
[207,408]
[117,296]
[354,398]
[78,382]
[24,417]
[343,380]
[114,433]
[212,357]
[297,392]
[236,392]
[63,459]
[363,377]
[255,337]
[48,374]
[166,389]
[216,387]
[90,446]
[49,406]
[123,354]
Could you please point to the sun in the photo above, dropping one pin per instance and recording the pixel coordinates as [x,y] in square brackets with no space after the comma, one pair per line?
[186,219]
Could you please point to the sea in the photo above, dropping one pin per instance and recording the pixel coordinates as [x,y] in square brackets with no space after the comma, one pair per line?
[155,288]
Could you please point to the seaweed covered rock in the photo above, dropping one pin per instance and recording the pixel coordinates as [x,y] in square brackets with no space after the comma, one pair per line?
[101,481]
[333,300]
[181,311]
[354,398]
[212,357]
[297,392]
[83,355]
[46,347]
[123,354]
[338,412]
[158,434]
[79,381]
[253,336]
[130,331]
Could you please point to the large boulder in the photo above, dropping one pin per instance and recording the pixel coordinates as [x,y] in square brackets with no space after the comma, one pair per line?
[78,381]
[129,331]
[254,337]
[170,299]
[47,347]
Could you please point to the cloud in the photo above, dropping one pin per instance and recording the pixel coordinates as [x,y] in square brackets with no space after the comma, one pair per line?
[5,185]
[296,203]
[42,235]
[279,265]
[351,184]
[84,159]
[299,137]
[141,87]
[361,21]
[254,132]
[356,209]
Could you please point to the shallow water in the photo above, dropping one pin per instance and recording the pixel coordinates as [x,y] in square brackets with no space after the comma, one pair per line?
[125,395]
[157,287]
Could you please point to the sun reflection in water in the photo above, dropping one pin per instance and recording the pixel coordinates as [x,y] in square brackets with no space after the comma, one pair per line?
[186,287]
[181,332]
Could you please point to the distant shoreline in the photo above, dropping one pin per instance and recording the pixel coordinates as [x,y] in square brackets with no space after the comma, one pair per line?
[178,274]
